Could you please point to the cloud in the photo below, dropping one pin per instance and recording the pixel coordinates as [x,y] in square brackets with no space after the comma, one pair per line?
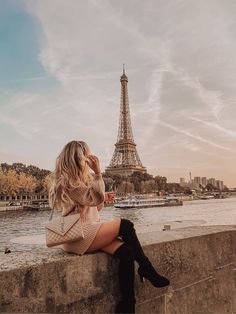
[211,98]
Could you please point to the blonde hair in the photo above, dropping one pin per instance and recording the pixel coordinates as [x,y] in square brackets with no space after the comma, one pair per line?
[70,169]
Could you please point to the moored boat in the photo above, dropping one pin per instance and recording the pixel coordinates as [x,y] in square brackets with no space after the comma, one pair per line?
[207,197]
[148,202]
[36,205]
[31,207]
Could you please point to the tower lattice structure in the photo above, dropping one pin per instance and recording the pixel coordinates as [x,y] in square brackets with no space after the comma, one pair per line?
[125,159]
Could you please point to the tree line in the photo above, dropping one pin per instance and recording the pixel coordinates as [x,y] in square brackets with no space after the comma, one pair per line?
[19,178]
[139,182]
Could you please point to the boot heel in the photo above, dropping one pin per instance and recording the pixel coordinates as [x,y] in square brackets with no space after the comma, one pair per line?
[141,278]
[156,279]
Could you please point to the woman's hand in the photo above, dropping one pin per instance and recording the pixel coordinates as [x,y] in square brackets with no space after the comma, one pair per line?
[106,197]
[94,163]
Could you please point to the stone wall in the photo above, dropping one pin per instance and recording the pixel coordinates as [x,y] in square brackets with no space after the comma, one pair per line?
[199,261]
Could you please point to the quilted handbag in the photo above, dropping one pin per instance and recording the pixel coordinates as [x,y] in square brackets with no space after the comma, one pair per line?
[63,229]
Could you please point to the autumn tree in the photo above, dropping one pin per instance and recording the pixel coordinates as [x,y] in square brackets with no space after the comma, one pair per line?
[21,178]
[10,183]
[26,183]
[46,183]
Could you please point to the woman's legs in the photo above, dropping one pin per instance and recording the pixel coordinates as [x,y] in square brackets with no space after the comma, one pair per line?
[121,250]
[125,253]
[146,270]
[106,237]
[106,240]
[112,247]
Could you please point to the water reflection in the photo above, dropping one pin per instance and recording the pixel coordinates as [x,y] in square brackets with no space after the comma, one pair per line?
[135,215]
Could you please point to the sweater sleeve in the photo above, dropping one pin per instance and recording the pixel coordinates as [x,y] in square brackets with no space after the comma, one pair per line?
[91,195]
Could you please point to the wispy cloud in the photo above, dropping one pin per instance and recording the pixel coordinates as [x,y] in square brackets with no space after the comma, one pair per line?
[188,145]
[196,137]
[25,79]
[153,105]
[217,127]
[212,98]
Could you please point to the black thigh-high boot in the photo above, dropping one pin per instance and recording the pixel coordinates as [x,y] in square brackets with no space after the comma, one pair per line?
[146,269]
[125,254]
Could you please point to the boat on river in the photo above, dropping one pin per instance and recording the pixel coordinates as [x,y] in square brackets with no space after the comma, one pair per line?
[31,207]
[36,205]
[148,202]
[207,197]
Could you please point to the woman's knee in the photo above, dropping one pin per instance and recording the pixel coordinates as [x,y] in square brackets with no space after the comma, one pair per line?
[112,247]
[125,225]
[127,222]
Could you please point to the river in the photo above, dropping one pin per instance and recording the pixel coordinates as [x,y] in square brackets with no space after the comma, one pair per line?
[24,230]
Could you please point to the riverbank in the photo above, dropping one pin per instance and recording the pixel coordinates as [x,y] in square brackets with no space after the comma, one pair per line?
[200,262]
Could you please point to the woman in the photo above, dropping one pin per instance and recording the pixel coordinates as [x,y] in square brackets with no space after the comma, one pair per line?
[74,189]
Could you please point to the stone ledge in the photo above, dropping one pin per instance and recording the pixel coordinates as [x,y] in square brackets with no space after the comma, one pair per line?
[200,262]
[147,236]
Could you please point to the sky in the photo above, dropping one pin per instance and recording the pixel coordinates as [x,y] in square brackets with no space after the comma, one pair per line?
[60,66]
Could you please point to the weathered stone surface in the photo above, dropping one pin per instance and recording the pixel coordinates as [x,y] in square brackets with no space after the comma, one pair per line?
[152,305]
[200,262]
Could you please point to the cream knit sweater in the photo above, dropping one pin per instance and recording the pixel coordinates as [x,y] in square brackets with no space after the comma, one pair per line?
[86,197]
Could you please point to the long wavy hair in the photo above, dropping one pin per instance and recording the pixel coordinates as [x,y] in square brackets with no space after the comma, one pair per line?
[70,169]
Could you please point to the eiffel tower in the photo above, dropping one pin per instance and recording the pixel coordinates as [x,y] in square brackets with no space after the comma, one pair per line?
[125,159]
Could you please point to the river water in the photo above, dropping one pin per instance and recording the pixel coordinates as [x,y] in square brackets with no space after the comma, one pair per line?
[24,230]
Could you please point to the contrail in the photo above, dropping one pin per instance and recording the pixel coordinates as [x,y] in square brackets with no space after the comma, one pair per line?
[196,137]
